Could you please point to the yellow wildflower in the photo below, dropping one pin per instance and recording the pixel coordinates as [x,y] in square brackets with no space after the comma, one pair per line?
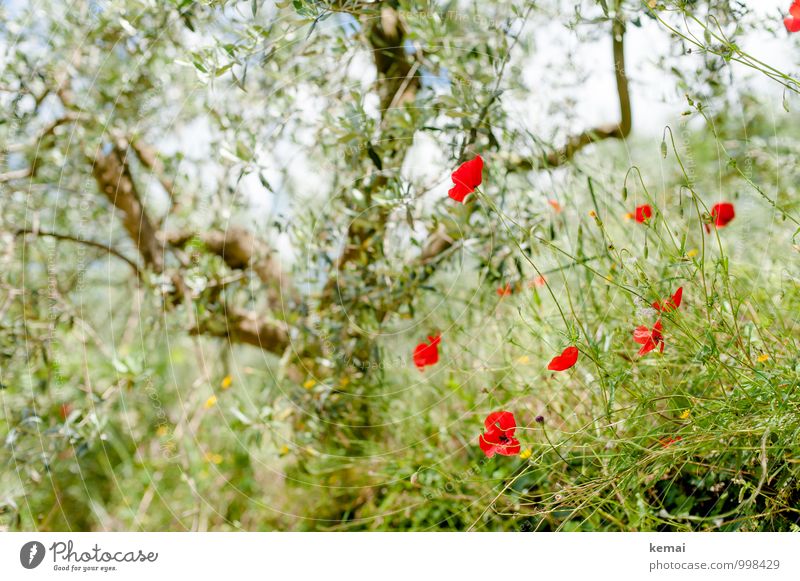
[692,253]
[763,357]
[226,382]
[685,414]
[526,453]
[524,360]
[309,384]
[213,458]
[210,402]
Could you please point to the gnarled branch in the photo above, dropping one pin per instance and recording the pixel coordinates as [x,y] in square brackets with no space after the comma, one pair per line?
[612,131]
[99,245]
[242,326]
[237,247]
[114,178]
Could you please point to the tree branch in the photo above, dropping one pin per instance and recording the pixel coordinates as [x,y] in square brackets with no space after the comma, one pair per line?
[149,158]
[113,176]
[237,247]
[398,83]
[396,74]
[246,327]
[16,174]
[613,131]
[438,242]
[110,250]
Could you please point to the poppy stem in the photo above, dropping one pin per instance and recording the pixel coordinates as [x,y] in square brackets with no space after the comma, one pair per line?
[552,446]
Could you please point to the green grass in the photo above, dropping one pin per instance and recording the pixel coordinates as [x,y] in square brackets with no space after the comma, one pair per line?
[396,449]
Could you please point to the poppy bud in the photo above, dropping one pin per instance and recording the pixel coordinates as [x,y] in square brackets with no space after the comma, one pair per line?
[539,419]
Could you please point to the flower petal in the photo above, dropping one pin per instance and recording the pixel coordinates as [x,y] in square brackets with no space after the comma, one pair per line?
[722,214]
[459,192]
[564,361]
[642,335]
[647,347]
[487,447]
[500,422]
[466,178]
[510,449]
[670,305]
[643,213]
[677,297]
[427,353]
[470,173]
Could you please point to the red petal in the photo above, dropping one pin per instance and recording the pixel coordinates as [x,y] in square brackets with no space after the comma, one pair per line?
[510,449]
[670,305]
[466,178]
[649,338]
[564,361]
[670,441]
[794,9]
[722,214]
[470,173]
[643,213]
[642,335]
[490,447]
[677,297]
[500,422]
[459,192]
[647,347]
[487,447]
[792,24]
[427,353]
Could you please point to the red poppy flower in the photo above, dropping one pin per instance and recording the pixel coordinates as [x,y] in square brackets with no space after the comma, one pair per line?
[499,435]
[671,303]
[504,291]
[538,281]
[564,361]
[669,441]
[649,339]
[792,22]
[555,205]
[427,353]
[64,410]
[643,213]
[721,214]
[466,178]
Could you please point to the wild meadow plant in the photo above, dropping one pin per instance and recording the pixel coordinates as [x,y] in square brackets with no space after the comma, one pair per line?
[368,266]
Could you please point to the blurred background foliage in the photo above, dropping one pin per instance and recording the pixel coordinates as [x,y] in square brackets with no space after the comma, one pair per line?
[225,227]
